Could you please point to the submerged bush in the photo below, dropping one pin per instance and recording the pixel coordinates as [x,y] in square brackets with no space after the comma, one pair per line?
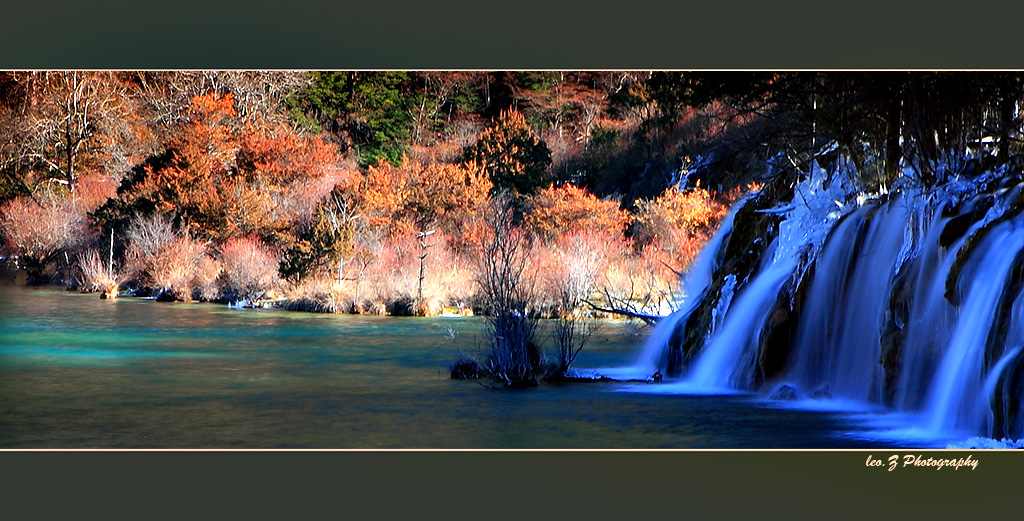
[506,293]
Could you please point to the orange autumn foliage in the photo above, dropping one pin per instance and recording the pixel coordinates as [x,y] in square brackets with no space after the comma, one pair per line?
[279,176]
[556,210]
[282,156]
[677,224]
[218,182]
[418,196]
[690,211]
[201,154]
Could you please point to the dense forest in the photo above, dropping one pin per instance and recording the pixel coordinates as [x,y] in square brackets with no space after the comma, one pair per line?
[323,186]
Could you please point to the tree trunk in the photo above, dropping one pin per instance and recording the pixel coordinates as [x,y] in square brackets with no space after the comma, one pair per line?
[893,149]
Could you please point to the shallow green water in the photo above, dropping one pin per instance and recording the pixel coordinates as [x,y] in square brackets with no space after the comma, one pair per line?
[80,372]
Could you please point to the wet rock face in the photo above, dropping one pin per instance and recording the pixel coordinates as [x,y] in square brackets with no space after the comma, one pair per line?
[676,352]
[774,351]
[785,393]
[894,331]
[1007,416]
[781,327]
[743,254]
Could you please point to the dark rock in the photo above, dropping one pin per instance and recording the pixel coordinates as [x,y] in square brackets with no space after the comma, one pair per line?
[956,228]
[466,370]
[785,393]
[894,329]
[166,296]
[1005,402]
[822,393]
[522,383]
[402,307]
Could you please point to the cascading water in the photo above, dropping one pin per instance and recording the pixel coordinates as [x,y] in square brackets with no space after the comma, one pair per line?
[729,356]
[837,346]
[900,300]
[955,397]
[929,320]
[695,284]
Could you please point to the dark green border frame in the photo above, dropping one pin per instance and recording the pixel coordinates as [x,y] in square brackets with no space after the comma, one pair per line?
[529,34]
[518,485]
[524,34]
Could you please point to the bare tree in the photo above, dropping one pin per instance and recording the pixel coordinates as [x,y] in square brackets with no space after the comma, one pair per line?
[258,94]
[68,116]
[580,260]
[507,293]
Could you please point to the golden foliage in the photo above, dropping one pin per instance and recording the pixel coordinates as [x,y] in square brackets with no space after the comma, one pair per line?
[557,210]
[415,196]
[677,224]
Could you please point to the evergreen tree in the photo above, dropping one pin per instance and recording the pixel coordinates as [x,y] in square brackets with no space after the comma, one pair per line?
[368,110]
[516,160]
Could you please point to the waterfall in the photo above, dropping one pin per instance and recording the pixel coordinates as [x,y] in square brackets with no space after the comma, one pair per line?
[729,356]
[837,346]
[955,397]
[930,319]
[911,299]
[695,285]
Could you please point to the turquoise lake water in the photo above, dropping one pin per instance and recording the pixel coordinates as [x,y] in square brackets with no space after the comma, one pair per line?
[80,372]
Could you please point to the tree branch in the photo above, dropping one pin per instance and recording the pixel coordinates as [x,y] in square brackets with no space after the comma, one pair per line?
[647,318]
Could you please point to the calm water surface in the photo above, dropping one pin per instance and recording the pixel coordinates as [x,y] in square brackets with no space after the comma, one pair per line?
[80,372]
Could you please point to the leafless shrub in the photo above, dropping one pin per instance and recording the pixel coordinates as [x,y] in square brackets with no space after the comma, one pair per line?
[207,279]
[42,229]
[169,262]
[318,294]
[582,255]
[98,275]
[250,269]
[174,270]
[506,293]
[147,237]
